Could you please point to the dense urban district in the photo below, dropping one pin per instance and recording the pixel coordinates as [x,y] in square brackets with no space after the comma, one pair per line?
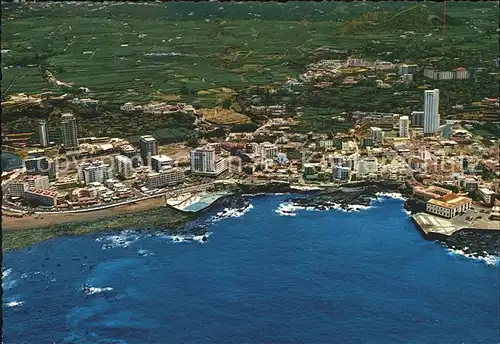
[106,111]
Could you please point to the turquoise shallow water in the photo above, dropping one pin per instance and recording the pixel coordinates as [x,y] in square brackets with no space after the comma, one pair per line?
[317,277]
[204,202]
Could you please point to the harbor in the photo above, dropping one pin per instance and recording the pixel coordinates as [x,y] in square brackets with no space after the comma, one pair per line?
[436,227]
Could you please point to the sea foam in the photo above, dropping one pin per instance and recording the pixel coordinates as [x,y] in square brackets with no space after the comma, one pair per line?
[232,212]
[187,238]
[490,260]
[12,304]
[7,281]
[290,209]
[96,290]
[395,195]
[123,239]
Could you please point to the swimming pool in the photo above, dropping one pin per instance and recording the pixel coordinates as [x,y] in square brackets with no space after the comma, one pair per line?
[205,201]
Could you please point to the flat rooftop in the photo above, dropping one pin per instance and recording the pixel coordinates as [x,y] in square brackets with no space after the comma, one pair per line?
[42,192]
[439,225]
[162,158]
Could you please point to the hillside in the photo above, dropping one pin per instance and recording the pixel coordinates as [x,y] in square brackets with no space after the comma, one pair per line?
[418,18]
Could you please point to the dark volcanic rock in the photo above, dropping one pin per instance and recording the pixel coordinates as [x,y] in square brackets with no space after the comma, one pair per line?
[414,205]
[324,200]
[356,194]
[272,187]
[471,242]
[232,202]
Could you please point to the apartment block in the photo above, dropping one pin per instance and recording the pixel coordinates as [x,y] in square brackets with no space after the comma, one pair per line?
[148,147]
[43,197]
[94,171]
[41,165]
[69,132]
[124,166]
[159,162]
[171,176]
[204,161]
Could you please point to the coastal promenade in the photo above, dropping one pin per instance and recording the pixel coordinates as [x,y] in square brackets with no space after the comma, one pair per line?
[169,193]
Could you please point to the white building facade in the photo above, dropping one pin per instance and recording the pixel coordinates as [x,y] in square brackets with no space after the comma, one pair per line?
[431,111]
[368,165]
[341,173]
[171,176]
[377,134]
[124,166]
[204,161]
[96,171]
[404,126]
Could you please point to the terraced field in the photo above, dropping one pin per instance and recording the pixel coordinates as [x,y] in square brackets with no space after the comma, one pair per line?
[112,50]
[180,51]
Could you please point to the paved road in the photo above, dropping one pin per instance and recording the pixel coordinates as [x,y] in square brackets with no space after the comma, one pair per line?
[201,187]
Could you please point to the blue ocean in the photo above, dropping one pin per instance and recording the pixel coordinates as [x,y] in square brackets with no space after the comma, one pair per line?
[260,277]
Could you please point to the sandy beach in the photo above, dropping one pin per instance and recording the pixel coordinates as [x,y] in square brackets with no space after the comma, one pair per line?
[39,221]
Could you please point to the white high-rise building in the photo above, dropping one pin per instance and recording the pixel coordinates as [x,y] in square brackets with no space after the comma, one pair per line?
[341,173]
[124,166]
[377,134]
[268,150]
[69,131]
[431,111]
[368,165]
[163,178]
[159,162]
[404,126]
[95,171]
[204,161]
[43,132]
[148,147]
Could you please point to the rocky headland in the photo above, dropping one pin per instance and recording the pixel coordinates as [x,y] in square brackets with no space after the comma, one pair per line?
[347,197]
[474,243]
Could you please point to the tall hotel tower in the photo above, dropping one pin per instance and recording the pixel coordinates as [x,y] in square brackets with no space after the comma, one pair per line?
[43,132]
[404,126]
[431,112]
[69,131]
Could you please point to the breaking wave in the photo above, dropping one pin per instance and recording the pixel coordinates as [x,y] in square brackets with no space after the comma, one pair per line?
[395,195]
[6,273]
[232,212]
[203,238]
[144,253]
[286,209]
[12,304]
[7,281]
[123,239]
[89,290]
[490,260]
[290,209]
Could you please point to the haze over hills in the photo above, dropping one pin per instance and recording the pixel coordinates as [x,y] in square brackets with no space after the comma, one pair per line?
[417,18]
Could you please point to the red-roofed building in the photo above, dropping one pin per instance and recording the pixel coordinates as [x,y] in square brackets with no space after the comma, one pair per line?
[44,197]
[461,73]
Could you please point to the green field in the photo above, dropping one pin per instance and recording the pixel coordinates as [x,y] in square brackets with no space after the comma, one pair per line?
[105,47]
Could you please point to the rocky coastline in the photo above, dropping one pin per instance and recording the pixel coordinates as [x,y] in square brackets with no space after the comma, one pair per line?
[474,243]
[347,197]
[265,188]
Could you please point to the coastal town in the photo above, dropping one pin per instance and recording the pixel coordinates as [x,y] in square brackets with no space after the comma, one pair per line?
[446,166]
[250,172]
